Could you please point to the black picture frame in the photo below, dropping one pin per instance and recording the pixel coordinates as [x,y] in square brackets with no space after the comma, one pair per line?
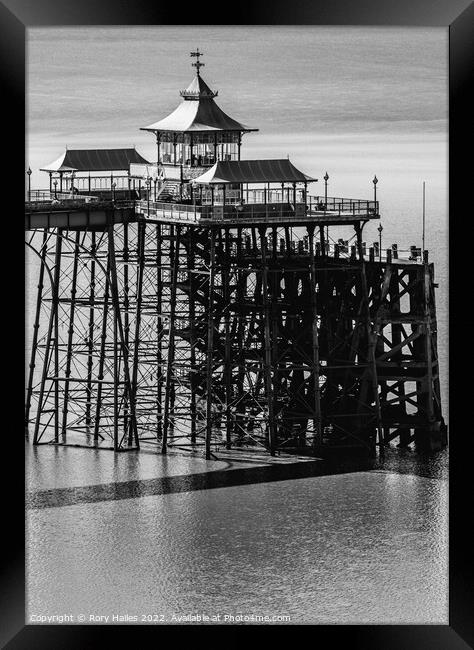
[18,15]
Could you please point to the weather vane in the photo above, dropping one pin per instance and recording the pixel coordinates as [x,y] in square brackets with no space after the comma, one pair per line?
[198,63]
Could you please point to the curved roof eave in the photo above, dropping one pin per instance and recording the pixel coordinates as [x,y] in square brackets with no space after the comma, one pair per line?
[202,115]
[95,160]
[253,171]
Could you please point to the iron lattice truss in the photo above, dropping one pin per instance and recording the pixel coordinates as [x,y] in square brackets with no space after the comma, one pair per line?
[201,338]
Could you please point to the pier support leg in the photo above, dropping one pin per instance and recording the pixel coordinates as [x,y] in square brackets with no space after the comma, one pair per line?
[268,345]
[175,232]
[210,343]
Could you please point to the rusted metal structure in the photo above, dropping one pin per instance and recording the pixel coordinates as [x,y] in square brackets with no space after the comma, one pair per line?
[227,317]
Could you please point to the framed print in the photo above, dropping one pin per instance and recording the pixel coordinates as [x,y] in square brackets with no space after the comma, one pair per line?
[242,313]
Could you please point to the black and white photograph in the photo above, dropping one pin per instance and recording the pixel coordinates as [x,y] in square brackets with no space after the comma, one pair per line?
[236,325]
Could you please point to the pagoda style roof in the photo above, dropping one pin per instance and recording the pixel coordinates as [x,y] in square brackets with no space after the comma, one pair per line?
[198,112]
[253,171]
[95,160]
[198,88]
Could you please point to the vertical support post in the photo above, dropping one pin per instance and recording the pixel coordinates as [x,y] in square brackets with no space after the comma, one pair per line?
[371,339]
[116,376]
[90,336]
[174,255]
[268,344]
[126,305]
[322,240]
[56,333]
[138,314]
[192,333]
[228,351]
[210,343]
[103,337]
[159,332]
[70,334]
[241,279]
[315,340]
[428,351]
[50,337]
[119,339]
[34,344]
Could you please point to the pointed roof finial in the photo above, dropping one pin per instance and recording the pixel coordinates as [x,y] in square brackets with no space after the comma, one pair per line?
[198,63]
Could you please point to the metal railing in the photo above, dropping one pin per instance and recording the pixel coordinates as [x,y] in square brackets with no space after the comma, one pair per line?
[46,195]
[173,211]
[236,210]
[341,205]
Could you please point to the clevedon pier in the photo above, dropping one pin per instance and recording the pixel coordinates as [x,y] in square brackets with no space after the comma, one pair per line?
[207,302]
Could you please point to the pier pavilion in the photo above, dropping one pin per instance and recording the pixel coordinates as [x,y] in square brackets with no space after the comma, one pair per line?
[96,172]
[195,135]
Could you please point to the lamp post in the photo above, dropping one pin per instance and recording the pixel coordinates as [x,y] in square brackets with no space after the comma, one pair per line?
[72,184]
[55,189]
[326,178]
[375,181]
[29,172]
[114,185]
[380,228]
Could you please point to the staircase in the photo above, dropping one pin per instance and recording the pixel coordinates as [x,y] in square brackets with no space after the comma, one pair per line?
[169,190]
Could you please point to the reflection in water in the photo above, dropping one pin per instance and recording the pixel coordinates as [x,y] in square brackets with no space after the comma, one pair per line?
[366,547]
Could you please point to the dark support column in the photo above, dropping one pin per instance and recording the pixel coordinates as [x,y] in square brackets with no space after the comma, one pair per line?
[139,288]
[57,279]
[268,345]
[116,376]
[174,255]
[121,352]
[159,333]
[103,337]
[192,332]
[228,350]
[70,334]
[90,334]
[126,304]
[315,340]
[371,340]
[34,344]
[241,280]
[239,146]
[210,344]
[322,240]
[52,334]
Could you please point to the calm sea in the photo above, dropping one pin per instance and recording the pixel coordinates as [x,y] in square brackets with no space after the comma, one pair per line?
[369,547]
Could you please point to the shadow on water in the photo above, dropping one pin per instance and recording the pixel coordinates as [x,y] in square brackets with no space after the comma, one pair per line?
[395,461]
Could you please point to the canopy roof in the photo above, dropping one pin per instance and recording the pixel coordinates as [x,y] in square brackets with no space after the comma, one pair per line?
[95,160]
[197,112]
[253,171]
